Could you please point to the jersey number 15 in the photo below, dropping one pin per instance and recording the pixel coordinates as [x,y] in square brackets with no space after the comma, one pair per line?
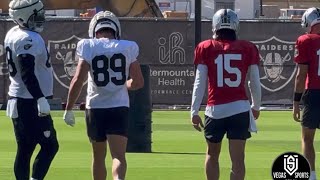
[223,64]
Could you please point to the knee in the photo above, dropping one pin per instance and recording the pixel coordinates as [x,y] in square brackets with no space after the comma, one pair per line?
[212,158]
[120,158]
[238,167]
[55,146]
[213,154]
[51,147]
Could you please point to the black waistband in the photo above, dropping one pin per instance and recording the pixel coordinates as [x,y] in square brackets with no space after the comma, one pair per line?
[12,97]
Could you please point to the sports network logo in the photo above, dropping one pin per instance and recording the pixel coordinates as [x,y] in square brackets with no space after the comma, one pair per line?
[289,166]
[171,51]
[278,67]
[63,53]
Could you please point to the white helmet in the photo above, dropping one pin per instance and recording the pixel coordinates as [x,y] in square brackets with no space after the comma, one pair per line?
[310,17]
[225,19]
[104,19]
[28,14]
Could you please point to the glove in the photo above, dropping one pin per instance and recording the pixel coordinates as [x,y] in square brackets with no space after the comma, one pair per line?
[68,117]
[43,107]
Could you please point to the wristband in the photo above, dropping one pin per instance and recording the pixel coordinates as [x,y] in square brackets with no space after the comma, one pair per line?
[297,97]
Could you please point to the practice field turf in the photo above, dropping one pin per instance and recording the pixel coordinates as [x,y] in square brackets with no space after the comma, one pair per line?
[178,150]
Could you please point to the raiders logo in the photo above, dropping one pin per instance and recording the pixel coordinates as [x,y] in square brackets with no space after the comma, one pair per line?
[47,134]
[63,58]
[277,66]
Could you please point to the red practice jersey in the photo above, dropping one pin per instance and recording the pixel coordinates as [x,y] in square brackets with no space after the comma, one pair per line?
[227,63]
[308,52]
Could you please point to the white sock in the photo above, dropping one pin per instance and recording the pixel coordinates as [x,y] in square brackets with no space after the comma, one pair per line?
[313,175]
[33,179]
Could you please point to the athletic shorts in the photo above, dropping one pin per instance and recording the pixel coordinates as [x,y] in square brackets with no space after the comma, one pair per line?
[311,110]
[235,126]
[29,127]
[103,122]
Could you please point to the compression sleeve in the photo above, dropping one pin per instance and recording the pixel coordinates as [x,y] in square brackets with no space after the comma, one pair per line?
[28,77]
[199,88]
[255,87]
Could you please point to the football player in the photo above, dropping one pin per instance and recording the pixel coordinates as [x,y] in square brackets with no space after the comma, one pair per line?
[109,61]
[224,63]
[307,83]
[31,84]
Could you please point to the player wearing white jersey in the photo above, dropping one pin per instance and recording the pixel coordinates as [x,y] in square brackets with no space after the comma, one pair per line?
[31,83]
[22,43]
[108,62]
[112,54]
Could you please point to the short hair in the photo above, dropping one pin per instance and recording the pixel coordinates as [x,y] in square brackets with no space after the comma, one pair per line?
[108,30]
[225,34]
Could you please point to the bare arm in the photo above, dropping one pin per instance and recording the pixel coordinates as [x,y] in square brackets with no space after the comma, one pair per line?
[77,83]
[136,80]
[298,89]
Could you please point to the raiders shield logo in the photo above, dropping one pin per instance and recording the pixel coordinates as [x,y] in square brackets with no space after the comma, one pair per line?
[47,134]
[277,66]
[63,59]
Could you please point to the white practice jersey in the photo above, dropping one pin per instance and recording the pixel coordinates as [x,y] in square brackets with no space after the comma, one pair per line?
[109,70]
[19,41]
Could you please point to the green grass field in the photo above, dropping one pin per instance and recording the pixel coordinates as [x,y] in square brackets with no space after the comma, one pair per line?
[178,150]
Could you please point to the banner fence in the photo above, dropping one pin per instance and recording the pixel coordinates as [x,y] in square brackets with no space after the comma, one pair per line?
[167,46]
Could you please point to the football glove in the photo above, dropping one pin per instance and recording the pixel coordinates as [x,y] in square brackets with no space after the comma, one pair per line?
[68,118]
[43,107]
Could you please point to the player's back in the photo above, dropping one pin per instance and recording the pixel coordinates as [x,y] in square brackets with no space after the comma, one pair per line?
[227,63]
[18,42]
[109,70]
[308,52]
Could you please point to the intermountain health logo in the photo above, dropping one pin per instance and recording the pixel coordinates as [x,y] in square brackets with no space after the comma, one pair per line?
[63,52]
[278,67]
[170,50]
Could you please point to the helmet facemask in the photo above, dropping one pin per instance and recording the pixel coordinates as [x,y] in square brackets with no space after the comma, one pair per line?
[36,21]
[310,18]
[28,14]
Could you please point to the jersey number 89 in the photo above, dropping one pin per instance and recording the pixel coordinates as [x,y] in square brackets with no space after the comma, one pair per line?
[103,70]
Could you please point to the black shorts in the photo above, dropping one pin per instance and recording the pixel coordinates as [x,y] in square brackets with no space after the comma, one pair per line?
[311,110]
[29,127]
[235,126]
[102,122]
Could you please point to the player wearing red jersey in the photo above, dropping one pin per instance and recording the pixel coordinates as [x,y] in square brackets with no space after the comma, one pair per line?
[224,62]
[307,83]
